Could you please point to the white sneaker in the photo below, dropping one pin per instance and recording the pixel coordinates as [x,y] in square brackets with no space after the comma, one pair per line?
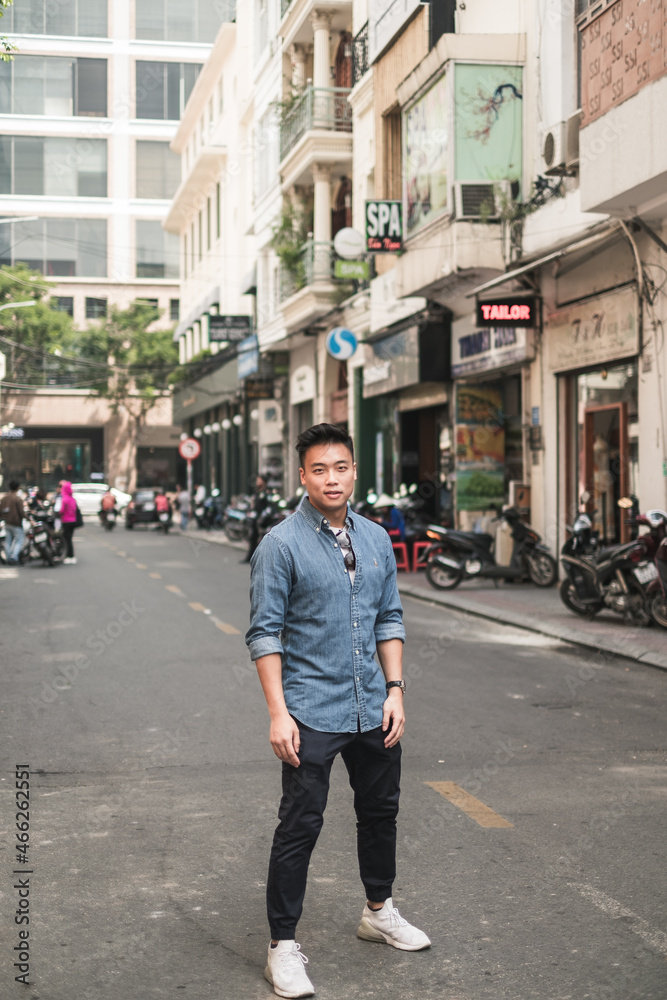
[70,562]
[388,926]
[285,969]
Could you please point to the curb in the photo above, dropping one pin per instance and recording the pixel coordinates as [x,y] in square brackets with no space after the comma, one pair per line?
[647,657]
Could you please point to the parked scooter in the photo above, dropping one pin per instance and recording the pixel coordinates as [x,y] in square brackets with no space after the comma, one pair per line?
[616,577]
[235,518]
[467,555]
[656,590]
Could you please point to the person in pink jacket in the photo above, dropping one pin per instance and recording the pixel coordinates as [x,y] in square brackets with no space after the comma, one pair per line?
[68,511]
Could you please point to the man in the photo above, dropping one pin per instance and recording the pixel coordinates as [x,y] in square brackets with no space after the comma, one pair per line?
[11,512]
[390,517]
[259,502]
[323,600]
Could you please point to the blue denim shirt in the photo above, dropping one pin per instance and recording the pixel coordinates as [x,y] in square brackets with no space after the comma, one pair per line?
[304,607]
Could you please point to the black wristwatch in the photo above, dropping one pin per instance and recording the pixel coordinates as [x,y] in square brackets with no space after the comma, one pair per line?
[395,684]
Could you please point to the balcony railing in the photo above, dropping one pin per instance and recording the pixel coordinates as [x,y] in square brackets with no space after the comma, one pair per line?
[317,108]
[360,55]
[316,264]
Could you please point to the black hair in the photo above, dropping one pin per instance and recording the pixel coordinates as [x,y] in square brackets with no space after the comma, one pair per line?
[14,485]
[322,434]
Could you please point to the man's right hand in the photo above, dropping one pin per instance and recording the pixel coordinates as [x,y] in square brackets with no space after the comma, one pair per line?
[285,739]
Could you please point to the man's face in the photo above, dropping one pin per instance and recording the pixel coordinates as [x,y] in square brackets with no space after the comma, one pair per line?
[328,473]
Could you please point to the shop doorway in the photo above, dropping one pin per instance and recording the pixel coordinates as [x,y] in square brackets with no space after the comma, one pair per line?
[605,468]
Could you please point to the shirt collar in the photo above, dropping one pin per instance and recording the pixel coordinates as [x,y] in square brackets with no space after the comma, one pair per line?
[317,520]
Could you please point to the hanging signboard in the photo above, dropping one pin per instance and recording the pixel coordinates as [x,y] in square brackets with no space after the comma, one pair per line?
[594,332]
[518,310]
[231,328]
[384,226]
[480,447]
[484,350]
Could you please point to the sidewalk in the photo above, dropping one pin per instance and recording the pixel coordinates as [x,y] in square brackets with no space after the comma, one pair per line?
[539,610]
[528,607]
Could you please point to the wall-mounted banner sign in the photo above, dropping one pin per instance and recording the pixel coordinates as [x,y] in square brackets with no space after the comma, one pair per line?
[12,433]
[231,328]
[519,310]
[352,270]
[384,226]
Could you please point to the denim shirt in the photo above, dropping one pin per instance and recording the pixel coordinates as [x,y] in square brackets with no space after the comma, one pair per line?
[304,607]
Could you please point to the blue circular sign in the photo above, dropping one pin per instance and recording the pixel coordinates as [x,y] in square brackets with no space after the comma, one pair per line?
[341,343]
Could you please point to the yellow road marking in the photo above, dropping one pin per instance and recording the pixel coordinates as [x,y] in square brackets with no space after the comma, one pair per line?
[468,804]
[196,606]
[156,576]
[174,589]
[224,627]
[140,566]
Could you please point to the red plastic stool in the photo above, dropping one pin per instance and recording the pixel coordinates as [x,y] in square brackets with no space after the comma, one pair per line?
[401,549]
[417,561]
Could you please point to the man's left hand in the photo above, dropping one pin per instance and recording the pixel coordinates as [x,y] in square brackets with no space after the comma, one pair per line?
[393,717]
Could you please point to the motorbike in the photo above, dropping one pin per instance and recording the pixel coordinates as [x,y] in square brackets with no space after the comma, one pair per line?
[616,577]
[209,514]
[657,587]
[466,555]
[236,517]
[108,518]
[164,521]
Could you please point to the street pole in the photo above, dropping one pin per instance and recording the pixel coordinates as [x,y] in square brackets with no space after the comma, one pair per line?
[190,479]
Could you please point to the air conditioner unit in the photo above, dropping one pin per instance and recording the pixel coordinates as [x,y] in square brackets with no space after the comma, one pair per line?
[481,201]
[553,149]
[572,127]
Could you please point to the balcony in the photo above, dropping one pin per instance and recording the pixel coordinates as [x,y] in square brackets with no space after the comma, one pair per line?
[317,109]
[316,265]
[309,290]
[360,62]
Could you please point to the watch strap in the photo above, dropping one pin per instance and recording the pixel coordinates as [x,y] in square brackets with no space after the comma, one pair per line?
[394,684]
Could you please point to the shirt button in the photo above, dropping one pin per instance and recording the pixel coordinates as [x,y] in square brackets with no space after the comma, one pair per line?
[335,546]
[357,651]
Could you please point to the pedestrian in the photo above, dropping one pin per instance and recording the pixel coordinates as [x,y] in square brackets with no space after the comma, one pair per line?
[390,517]
[184,508]
[257,507]
[324,600]
[200,494]
[12,513]
[69,515]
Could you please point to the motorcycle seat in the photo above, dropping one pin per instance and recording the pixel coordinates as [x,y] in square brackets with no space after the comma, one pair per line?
[475,538]
[613,550]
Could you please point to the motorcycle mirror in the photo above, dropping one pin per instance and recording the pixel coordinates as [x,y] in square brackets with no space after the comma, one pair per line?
[412,488]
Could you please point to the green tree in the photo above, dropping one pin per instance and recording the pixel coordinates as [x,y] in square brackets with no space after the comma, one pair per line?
[139,362]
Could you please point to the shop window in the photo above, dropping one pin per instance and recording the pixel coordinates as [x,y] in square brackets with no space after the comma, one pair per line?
[54,86]
[174,310]
[53,166]
[392,154]
[158,170]
[163,89]
[63,303]
[148,302]
[194,21]
[77,18]
[71,248]
[96,308]
[157,251]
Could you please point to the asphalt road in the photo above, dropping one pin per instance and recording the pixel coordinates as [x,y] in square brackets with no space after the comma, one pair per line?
[126,687]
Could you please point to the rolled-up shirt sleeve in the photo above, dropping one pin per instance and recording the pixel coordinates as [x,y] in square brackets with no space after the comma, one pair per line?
[389,620]
[270,586]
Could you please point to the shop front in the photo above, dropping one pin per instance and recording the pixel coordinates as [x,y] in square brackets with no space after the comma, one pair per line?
[42,456]
[490,367]
[593,348]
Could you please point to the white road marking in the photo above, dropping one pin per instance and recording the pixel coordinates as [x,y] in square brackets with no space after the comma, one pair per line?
[8,573]
[656,938]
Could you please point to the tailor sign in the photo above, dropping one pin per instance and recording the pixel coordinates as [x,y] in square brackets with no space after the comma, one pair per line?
[519,310]
[384,226]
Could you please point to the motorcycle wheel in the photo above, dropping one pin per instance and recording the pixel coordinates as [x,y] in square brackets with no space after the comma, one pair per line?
[542,569]
[443,577]
[234,534]
[128,526]
[571,600]
[47,555]
[658,609]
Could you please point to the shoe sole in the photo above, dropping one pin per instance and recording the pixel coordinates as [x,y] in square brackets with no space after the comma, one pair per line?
[367,932]
[283,993]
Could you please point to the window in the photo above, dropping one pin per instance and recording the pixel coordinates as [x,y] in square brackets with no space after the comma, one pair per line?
[261,27]
[148,302]
[185,255]
[96,308]
[69,248]
[54,86]
[163,89]
[194,21]
[87,18]
[157,251]
[192,247]
[209,222]
[266,153]
[221,92]
[218,209]
[63,304]
[158,170]
[55,167]
[200,243]
[174,310]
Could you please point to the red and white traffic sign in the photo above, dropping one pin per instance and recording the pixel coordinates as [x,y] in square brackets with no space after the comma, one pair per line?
[189,449]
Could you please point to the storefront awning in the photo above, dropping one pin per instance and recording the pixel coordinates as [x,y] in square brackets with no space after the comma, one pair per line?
[212,299]
[611,230]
